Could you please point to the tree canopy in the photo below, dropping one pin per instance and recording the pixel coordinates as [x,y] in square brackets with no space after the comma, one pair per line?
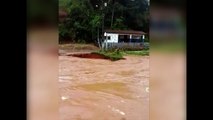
[87,17]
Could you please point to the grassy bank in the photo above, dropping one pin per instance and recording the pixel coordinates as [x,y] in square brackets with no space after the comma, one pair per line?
[117,55]
[112,55]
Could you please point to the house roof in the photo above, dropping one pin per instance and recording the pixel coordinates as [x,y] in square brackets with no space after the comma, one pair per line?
[126,32]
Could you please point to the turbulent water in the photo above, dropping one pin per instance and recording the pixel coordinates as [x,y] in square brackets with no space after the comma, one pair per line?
[97,89]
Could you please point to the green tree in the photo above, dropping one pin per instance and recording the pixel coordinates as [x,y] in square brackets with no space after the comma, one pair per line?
[85,17]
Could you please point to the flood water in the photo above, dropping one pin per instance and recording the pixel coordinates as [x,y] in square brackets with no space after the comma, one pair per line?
[98,89]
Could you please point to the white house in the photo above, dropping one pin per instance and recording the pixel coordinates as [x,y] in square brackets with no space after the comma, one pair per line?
[120,38]
[124,36]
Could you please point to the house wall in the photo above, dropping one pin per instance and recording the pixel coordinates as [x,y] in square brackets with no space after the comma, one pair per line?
[113,37]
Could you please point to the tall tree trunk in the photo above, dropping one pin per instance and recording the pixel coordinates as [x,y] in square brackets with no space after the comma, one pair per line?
[99,44]
[102,28]
[112,18]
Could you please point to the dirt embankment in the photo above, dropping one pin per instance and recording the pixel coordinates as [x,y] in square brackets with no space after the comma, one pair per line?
[78,47]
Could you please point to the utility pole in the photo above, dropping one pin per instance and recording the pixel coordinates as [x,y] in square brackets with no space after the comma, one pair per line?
[103,4]
[102,26]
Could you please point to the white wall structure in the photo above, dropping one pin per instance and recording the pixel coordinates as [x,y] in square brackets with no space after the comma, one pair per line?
[111,37]
[143,37]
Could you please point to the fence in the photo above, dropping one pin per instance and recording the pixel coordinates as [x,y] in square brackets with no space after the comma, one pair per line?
[128,46]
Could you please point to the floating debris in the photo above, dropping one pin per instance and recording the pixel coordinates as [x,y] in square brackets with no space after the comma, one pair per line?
[147,89]
[64,98]
[116,110]
[65,77]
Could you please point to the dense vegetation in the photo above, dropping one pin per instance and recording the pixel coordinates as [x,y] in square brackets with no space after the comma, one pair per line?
[86,19]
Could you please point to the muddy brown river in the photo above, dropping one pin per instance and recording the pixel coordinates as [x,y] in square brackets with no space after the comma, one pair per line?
[98,89]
